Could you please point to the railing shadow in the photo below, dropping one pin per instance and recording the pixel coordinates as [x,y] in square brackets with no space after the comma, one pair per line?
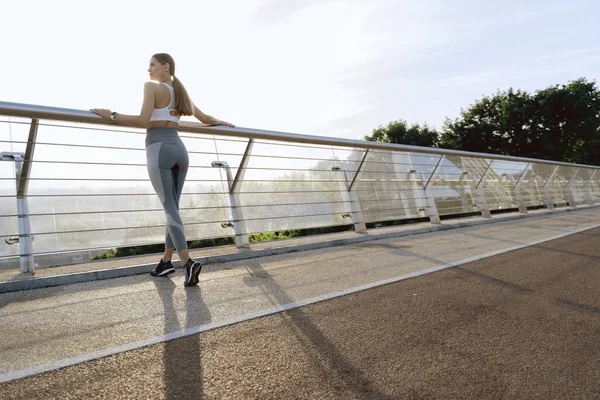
[462,270]
[305,330]
[182,358]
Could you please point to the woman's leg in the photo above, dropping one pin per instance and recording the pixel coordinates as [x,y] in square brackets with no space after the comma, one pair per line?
[167,178]
[179,173]
[192,268]
[167,168]
[168,256]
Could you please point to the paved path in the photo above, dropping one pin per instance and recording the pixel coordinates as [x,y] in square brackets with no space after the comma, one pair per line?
[12,280]
[509,326]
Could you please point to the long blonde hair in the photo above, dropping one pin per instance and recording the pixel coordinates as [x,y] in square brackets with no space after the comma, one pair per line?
[183,102]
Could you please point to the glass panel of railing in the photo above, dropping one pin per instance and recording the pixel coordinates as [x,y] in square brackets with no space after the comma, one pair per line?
[223,149]
[577,185]
[499,185]
[391,185]
[8,224]
[322,215]
[292,187]
[13,139]
[585,178]
[14,133]
[89,188]
[493,178]
[476,167]
[111,238]
[348,159]
[454,187]
[531,188]
[556,185]
[594,187]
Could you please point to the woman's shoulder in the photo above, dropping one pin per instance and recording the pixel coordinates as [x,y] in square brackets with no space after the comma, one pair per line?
[151,85]
[156,87]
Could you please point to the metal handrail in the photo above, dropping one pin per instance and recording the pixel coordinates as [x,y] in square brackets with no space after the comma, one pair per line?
[384,185]
[81,116]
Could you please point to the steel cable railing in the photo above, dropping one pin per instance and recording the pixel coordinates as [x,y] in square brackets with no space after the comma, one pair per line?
[73,182]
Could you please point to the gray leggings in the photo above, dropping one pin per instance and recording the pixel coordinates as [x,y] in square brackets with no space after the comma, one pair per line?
[167,160]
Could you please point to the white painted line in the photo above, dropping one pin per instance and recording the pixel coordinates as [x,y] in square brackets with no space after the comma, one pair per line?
[67,362]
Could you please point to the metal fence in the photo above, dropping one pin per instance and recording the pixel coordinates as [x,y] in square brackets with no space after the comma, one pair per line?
[73,182]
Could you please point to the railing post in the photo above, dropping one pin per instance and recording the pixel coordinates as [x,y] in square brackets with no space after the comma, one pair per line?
[586,188]
[357,214]
[233,184]
[567,188]
[517,189]
[549,202]
[481,200]
[434,217]
[22,174]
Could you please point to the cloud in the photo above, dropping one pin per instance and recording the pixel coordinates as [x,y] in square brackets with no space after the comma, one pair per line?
[469,79]
[276,10]
[420,60]
[572,52]
[350,121]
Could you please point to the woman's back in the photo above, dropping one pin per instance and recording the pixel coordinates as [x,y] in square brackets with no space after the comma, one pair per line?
[162,96]
[164,99]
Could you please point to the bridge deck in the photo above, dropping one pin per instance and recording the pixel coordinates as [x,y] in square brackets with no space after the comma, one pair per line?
[14,280]
[518,324]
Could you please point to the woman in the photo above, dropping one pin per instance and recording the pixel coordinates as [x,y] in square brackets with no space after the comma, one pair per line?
[165,100]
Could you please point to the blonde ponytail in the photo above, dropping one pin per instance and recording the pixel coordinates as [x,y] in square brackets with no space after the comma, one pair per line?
[183,102]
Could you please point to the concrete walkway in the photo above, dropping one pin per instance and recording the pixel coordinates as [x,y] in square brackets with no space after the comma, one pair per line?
[12,280]
[518,325]
[49,328]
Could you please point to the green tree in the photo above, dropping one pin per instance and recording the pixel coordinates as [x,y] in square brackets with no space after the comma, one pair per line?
[558,123]
[401,133]
[568,122]
[499,124]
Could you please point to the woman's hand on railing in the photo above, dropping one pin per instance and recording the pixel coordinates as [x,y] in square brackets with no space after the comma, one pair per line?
[104,113]
[209,119]
[223,123]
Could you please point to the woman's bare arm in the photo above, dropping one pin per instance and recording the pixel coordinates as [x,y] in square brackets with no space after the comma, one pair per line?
[209,120]
[141,120]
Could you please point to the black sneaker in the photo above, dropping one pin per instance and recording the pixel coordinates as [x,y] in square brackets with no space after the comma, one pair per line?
[192,270]
[163,268]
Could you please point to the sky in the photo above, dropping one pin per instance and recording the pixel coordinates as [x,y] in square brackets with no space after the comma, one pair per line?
[315,67]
